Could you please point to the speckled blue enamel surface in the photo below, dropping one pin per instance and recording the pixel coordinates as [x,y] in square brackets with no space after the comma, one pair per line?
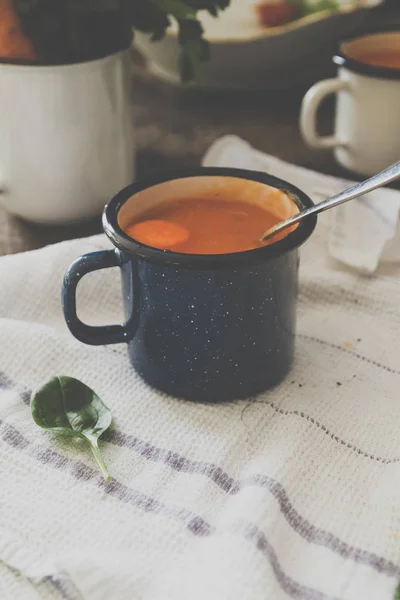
[211,334]
[205,328]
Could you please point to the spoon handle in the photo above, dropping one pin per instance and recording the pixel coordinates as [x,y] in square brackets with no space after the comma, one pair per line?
[382,178]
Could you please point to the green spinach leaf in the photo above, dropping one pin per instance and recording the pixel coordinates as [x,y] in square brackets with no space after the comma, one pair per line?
[67,406]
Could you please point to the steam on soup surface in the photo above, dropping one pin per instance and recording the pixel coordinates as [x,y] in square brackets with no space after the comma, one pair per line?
[203,226]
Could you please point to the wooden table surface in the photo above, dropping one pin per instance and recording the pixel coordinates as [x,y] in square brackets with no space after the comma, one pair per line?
[174,127]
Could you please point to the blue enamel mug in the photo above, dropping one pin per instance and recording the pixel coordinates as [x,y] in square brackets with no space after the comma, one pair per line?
[200,327]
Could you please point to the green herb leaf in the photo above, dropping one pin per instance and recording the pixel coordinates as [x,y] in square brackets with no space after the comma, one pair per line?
[194,49]
[321,5]
[213,6]
[397,593]
[176,8]
[67,406]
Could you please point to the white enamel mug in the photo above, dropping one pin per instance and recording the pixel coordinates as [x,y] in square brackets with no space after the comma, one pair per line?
[66,137]
[366,135]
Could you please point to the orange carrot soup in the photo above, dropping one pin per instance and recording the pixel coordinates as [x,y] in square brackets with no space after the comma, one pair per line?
[381,58]
[203,226]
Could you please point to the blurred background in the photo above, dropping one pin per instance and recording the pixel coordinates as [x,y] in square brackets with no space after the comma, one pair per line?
[261,65]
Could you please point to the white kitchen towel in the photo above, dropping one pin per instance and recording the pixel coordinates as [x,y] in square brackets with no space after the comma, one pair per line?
[362,233]
[292,494]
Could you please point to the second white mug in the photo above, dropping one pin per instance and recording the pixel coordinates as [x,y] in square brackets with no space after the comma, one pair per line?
[366,138]
[66,137]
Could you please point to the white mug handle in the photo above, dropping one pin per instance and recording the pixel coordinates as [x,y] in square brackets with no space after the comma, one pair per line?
[308,113]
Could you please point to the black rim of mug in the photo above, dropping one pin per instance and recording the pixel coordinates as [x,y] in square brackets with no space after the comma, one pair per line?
[343,60]
[291,241]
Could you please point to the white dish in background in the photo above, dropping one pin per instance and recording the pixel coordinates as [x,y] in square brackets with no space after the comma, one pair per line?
[244,54]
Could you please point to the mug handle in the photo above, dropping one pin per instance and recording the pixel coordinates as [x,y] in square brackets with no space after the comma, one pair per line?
[88,334]
[308,113]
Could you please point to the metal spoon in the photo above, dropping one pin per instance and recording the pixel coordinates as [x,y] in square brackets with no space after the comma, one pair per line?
[382,178]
